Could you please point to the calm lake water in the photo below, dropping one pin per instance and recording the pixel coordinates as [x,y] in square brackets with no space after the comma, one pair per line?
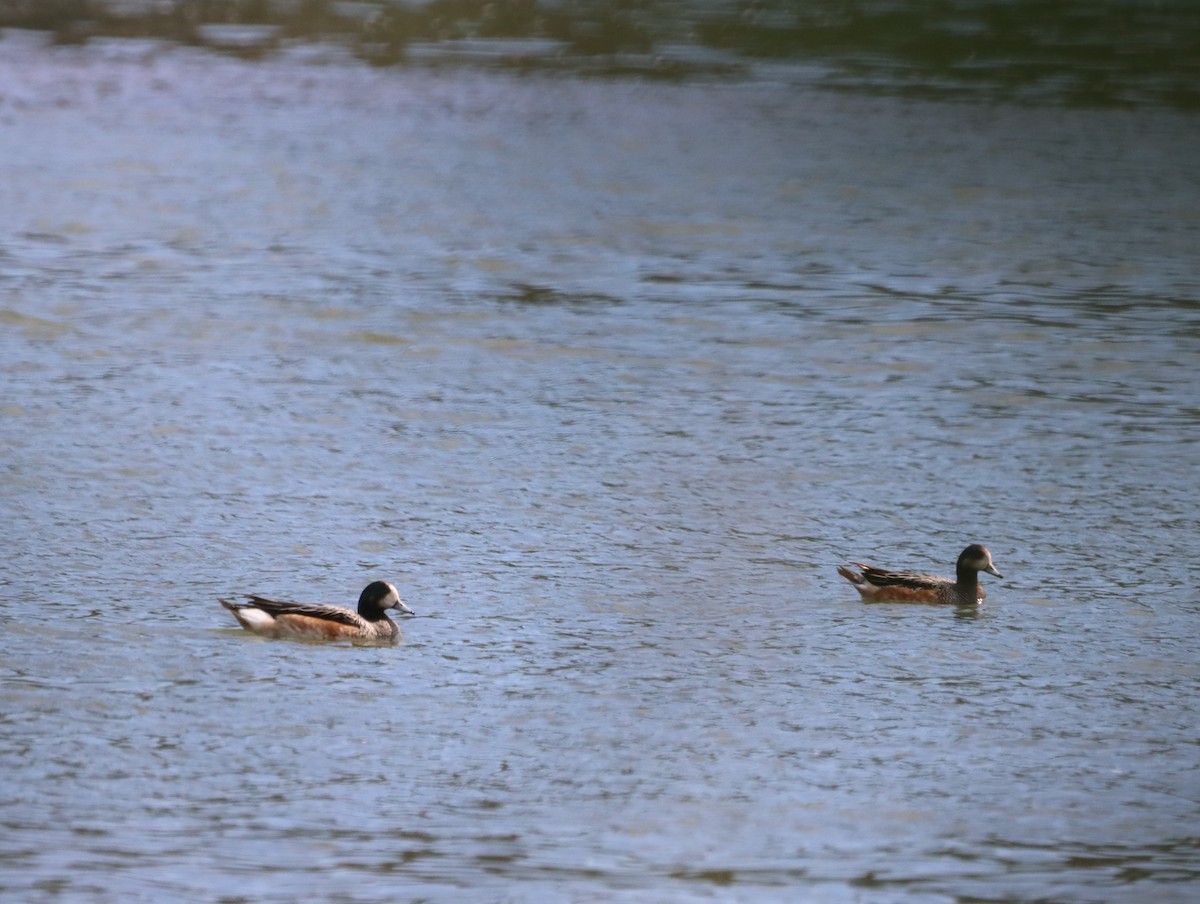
[607,376]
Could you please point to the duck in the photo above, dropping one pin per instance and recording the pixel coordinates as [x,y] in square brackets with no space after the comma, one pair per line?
[315,621]
[878,585]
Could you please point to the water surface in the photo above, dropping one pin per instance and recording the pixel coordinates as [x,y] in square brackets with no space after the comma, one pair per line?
[608,377]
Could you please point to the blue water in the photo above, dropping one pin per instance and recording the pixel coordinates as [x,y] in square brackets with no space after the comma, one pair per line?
[607,377]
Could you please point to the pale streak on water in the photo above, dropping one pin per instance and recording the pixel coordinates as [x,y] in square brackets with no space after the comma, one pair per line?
[608,377]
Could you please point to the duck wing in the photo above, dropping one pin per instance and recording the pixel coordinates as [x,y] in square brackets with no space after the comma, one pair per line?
[915,580]
[339,614]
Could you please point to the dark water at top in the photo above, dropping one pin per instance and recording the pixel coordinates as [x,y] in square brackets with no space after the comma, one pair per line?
[608,377]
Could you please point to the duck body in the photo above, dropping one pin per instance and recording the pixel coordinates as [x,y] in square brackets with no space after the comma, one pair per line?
[318,622]
[879,585]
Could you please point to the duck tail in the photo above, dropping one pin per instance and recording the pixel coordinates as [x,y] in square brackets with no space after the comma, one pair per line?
[851,576]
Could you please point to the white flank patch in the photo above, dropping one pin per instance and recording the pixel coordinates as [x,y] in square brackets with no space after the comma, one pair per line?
[256,618]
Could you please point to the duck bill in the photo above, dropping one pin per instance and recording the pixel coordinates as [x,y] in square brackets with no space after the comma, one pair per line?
[991,569]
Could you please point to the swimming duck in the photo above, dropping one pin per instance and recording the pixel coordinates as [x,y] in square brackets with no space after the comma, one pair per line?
[877,585]
[307,621]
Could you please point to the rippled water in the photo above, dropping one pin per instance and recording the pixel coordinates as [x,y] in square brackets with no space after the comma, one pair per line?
[608,377]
